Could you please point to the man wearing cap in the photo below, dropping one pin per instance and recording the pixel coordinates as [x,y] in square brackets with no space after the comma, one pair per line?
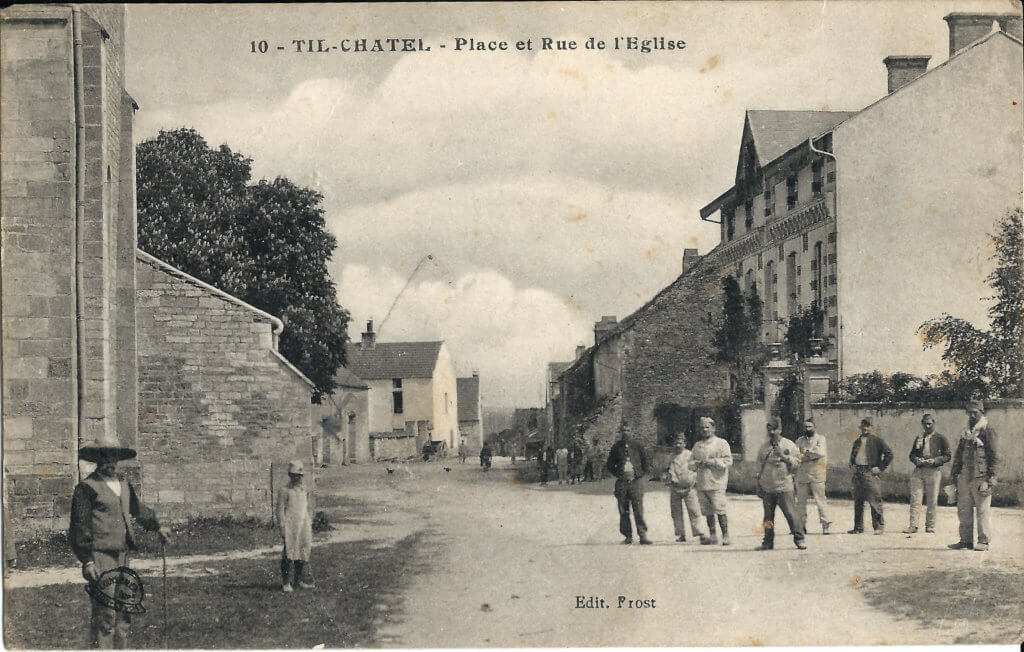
[627,461]
[929,452]
[296,526]
[103,508]
[777,459]
[974,474]
[712,458]
[869,456]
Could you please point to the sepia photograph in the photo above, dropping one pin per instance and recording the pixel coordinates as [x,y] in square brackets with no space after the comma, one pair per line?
[512,325]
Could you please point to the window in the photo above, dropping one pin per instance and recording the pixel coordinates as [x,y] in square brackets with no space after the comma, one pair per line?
[760,261]
[832,237]
[771,281]
[816,183]
[748,214]
[791,192]
[730,224]
[782,253]
[804,241]
[769,201]
[396,395]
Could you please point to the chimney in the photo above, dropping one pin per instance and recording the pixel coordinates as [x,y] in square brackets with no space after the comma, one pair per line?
[905,69]
[690,258]
[966,28]
[580,349]
[603,327]
[369,337]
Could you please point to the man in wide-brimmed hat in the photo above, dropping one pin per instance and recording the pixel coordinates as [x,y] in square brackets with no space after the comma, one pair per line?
[974,474]
[103,509]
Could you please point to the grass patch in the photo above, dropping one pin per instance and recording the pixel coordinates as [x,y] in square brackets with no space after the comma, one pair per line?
[992,601]
[201,535]
[358,589]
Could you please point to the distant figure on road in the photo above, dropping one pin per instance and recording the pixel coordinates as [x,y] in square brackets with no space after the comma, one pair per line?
[869,457]
[712,458]
[296,525]
[974,474]
[929,452]
[682,497]
[545,458]
[562,460]
[777,459]
[810,477]
[592,462]
[485,456]
[512,452]
[627,461]
[577,460]
[462,452]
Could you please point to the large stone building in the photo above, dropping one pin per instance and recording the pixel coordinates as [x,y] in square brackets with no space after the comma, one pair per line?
[218,408]
[882,216]
[68,264]
[413,394]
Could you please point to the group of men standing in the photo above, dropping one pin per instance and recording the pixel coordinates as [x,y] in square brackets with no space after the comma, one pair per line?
[792,473]
[575,463]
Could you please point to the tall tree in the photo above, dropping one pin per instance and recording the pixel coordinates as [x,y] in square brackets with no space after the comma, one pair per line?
[265,243]
[990,361]
[737,338]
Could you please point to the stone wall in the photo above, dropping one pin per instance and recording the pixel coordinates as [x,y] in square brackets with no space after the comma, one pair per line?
[48,370]
[218,405]
[668,355]
[390,446]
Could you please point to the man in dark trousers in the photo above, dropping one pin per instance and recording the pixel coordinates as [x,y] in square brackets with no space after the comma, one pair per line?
[627,461]
[102,510]
[868,458]
[777,460]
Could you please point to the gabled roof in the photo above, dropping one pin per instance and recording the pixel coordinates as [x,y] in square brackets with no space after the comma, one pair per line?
[555,369]
[345,378]
[776,132]
[468,392]
[394,360]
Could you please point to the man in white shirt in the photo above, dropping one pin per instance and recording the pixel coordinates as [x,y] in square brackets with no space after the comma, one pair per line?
[810,476]
[712,458]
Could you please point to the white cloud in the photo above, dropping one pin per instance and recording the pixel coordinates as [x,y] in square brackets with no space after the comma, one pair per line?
[506,332]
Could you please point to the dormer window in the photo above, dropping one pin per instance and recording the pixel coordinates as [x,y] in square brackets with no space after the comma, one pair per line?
[729,218]
[769,201]
[748,214]
[816,171]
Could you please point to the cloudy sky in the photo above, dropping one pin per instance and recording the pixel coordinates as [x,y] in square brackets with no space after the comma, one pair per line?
[549,187]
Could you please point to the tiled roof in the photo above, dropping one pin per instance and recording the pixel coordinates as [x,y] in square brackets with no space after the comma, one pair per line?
[345,378]
[777,132]
[468,392]
[394,360]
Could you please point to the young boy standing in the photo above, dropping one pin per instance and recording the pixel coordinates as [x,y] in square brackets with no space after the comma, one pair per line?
[296,528]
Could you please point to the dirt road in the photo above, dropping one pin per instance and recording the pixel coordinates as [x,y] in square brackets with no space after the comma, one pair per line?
[510,563]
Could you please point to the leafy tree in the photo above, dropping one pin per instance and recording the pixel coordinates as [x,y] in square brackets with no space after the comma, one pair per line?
[802,327]
[737,339]
[990,362]
[265,243]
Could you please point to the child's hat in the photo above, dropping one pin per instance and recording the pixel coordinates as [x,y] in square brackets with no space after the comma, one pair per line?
[295,468]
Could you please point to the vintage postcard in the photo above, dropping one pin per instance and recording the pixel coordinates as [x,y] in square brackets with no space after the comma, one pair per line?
[480,325]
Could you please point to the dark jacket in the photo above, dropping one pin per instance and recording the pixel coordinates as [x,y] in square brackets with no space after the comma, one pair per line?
[102,521]
[979,461]
[878,454]
[618,454]
[939,451]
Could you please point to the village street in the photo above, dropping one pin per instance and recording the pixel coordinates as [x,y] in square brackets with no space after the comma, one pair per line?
[507,562]
[424,558]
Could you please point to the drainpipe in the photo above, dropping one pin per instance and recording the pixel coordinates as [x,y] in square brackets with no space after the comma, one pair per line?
[79,289]
[835,211]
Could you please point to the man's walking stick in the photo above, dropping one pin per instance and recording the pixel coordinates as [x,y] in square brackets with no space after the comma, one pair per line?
[163,555]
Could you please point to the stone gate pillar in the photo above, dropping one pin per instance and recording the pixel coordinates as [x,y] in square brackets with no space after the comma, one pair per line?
[818,372]
[775,373]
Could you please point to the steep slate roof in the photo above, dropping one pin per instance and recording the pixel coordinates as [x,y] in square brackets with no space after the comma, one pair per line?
[776,132]
[555,369]
[394,360]
[468,392]
[345,378]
